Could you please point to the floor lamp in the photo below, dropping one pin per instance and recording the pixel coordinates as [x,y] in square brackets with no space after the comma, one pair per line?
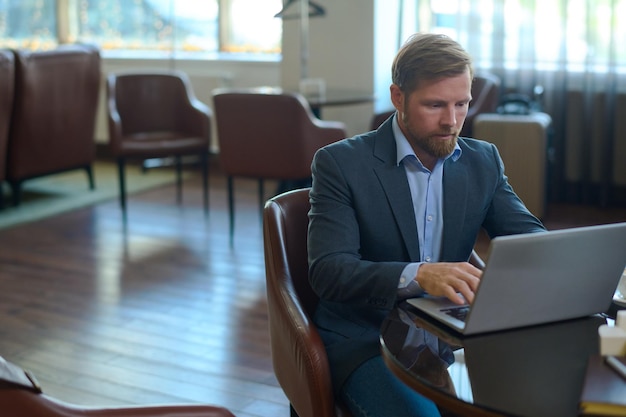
[308,9]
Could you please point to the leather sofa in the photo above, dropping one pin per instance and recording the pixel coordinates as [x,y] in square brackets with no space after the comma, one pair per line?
[7,83]
[54,113]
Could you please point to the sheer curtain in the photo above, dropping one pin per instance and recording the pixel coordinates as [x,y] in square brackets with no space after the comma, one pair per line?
[576,51]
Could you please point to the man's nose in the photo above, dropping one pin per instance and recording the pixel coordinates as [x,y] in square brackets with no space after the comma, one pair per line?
[449,117]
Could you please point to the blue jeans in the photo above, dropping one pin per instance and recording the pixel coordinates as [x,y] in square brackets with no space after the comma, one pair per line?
[373,391]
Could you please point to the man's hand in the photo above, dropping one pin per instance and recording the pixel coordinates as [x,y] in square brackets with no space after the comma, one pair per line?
[448,279]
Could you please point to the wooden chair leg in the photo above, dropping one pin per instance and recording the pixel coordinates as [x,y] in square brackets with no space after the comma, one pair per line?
[179,178]
[231,207]
[205,181]
[261,197]
[122,183]
[16,192]
[90,178]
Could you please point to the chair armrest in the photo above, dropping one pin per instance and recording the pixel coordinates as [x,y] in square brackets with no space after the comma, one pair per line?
[197,118]
[325,132]
[476,260]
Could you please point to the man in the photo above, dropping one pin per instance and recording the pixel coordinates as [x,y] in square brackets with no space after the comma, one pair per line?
[396,212]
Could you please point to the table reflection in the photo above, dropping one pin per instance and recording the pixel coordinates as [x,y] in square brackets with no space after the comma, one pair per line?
[535,371]
[416,349]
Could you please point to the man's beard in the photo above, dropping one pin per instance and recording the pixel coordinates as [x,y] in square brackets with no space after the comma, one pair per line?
[431,144]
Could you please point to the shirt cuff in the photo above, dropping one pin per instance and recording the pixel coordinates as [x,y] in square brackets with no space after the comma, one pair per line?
[407,286]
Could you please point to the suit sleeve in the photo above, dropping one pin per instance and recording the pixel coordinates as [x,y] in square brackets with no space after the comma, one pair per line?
[507,213]
[338,270]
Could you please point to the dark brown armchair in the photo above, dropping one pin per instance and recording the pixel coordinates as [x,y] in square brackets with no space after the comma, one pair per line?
[54,113]
[7,84]
[156,115]
[21,396]
[268,134]
[298,354]
[20,403]
[485,99]
[379,118]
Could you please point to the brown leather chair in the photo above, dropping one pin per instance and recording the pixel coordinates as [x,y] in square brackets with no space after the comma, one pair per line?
[21,403]
[7,84]
[379,118]
[298,354]
[54,113]
[485,99]
[268,134]
[155,114]
[21,396]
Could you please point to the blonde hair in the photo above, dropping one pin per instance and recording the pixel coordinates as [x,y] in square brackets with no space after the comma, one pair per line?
[427,56]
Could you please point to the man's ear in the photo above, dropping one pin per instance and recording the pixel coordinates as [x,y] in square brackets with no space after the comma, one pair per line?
[397,97]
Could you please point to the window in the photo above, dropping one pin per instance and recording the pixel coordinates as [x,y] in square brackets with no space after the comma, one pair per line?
[162,25]
[169,26]
[553,34]
[28,23]
[255,29]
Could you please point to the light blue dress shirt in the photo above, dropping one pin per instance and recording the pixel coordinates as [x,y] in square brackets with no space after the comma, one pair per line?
[427,195]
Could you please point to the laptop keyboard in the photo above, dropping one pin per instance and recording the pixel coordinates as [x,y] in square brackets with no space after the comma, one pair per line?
[459,313]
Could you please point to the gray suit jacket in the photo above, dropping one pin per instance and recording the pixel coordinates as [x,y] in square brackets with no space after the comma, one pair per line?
[362,232]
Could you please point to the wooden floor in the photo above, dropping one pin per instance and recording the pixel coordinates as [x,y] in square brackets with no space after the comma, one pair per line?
[162,310]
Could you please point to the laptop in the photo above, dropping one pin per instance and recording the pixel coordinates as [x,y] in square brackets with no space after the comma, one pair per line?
[538,278]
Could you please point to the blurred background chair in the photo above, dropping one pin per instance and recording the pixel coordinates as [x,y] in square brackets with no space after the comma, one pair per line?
[485,99]
[7,84]
[21,396]
[379,118]
[298,354]
[54,113]
[156,115]
[267,134]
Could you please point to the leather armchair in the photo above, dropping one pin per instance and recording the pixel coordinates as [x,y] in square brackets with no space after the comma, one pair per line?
[379,118]
[54,113]
[7,84]
[21,396]
[20,403]
[485,99]
[157,115]
[298,354]
[268,134]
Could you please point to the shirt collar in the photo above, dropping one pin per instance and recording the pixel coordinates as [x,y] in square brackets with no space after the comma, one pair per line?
[404,149]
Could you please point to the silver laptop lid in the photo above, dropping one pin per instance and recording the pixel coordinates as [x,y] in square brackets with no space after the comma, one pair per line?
[545,277]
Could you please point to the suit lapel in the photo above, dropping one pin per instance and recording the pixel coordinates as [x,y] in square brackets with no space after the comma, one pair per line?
[394,182]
